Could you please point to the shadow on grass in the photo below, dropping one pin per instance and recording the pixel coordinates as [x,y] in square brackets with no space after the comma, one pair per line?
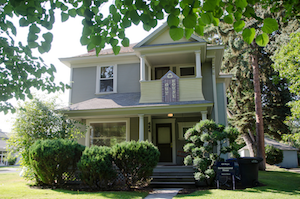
[278,182]
[281,182]
[107,194]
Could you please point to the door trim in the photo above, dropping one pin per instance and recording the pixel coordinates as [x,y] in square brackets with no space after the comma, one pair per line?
[172,122]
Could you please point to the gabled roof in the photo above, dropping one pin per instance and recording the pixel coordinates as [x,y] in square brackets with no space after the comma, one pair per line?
[3,135]
[109,51]
[276,144]
[158,32]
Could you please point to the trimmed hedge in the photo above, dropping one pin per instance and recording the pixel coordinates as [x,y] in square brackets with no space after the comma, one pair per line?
[136,161]
[54,161]
[96,167]
[273,155]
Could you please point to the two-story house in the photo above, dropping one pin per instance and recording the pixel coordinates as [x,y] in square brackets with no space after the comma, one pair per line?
[153,90]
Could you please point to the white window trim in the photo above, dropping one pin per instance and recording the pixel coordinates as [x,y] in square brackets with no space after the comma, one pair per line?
[114,79]
[88,123]
[182,125]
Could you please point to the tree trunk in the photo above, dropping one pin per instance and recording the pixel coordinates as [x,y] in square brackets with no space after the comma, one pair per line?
[258,109]
[249,143]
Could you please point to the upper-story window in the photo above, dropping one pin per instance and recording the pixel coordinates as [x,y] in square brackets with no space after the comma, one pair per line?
[187,71]
[106,79]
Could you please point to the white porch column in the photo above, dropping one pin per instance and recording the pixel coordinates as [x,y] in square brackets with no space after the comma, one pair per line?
[142,68]
[198,64]
[204,115]
[141,129]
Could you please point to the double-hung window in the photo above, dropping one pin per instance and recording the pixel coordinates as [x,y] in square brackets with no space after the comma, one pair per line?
[106,79]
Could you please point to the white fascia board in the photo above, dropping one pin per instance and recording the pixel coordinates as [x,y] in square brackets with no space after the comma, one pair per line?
[146,50]
[139,110]
[76,62]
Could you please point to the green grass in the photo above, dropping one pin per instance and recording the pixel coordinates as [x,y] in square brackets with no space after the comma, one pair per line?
[279,184]
[13,186]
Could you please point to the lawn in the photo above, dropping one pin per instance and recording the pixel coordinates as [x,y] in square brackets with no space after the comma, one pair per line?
[279,184]
[13,186]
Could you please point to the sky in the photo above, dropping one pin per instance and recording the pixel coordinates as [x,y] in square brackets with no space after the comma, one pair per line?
[66,43]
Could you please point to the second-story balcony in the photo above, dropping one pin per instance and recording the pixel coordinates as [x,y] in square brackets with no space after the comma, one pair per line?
[189,89]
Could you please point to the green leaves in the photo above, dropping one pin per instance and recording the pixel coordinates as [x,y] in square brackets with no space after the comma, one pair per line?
[210,5]
[270,25]
[206,18]
[64,17]
[241,4]
[190,21]
[248,35]
[173,20]
[238,25]
[176,33]
[262,39]
[228,19]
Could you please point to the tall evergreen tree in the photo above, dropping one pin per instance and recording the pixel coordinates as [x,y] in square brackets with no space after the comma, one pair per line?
[275,94]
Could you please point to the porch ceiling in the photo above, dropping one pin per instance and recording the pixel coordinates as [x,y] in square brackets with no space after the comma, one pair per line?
[171,59]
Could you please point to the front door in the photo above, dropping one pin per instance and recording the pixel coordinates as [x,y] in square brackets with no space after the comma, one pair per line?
[164,141]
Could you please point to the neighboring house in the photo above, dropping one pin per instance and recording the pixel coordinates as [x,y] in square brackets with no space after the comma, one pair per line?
[290,159]
[3,151]
[153,90]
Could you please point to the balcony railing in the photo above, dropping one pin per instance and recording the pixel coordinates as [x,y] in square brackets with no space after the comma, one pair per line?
[190,89]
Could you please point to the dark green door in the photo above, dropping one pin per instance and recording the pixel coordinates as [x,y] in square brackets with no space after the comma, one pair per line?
[164,141]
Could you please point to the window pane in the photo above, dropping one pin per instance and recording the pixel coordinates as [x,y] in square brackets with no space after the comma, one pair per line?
[187,71]
[106,85]
[108,134]
[107,72]
[160,72]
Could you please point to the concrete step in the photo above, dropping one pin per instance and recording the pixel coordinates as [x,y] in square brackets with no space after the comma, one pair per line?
[177,183]
[173,176]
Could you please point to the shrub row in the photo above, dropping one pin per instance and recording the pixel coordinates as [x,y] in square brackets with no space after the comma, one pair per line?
[56,160]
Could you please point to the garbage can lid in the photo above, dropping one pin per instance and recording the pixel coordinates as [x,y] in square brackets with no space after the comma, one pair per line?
[249,160]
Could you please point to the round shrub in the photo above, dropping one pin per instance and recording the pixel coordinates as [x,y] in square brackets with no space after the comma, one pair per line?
[201,141]
[96,167]
[136,161]
[273,155]
[54,161]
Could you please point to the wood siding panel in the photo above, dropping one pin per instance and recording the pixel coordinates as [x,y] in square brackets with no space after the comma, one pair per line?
[190,89]
[151,91]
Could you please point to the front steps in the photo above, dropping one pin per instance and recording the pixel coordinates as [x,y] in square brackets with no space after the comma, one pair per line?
[173,176]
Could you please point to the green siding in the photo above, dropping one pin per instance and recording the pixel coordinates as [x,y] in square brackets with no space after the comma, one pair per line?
[128,78]
[221,103]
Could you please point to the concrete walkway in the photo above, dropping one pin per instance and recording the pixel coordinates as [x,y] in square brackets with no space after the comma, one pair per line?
[297,170]
[9,170]
[163,193]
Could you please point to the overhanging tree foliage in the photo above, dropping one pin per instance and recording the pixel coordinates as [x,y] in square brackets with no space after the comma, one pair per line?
[275,94]
[287,62]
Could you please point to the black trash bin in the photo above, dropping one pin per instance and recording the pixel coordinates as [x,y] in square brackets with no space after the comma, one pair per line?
[249,170]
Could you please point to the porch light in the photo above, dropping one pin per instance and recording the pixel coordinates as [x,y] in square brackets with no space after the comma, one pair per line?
[170,115]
